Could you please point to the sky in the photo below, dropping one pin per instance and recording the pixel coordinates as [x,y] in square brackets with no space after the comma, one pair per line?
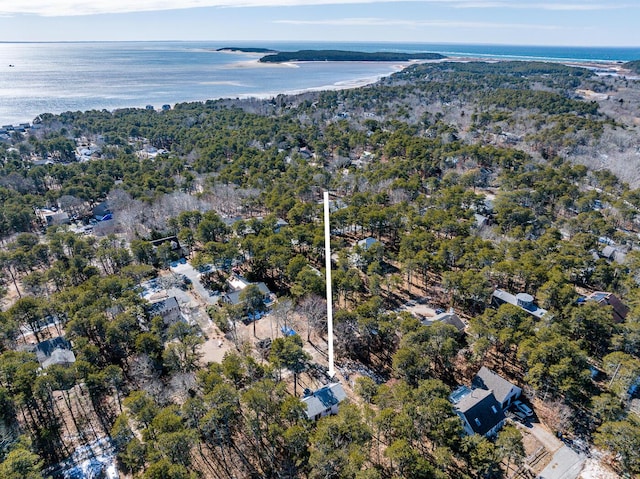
[512,22]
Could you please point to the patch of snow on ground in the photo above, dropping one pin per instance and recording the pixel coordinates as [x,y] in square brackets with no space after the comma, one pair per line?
[594,469]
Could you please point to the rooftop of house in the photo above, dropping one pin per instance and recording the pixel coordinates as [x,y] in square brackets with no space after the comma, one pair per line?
[59,356]
[54,351]
[522,300]
[234,296]
[620,310]
[323,399]
[44,349]
[367,243]
[448,317]
[165,305]
[482,410]
[491,381]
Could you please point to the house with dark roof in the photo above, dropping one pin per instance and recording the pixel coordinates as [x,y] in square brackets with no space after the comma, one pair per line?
[504,391]
[620,310]
[324,401]
[481,413]
[102,211]
[173,242]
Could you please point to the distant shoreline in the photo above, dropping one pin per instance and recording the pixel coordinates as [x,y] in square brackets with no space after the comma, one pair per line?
[341,85]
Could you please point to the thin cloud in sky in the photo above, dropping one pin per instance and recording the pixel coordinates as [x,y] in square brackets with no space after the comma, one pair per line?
[84,7]
[570,7]
[360,22]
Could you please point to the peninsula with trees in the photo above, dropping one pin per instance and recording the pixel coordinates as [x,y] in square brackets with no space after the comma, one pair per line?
[346,56]
[246,50]
[162,282]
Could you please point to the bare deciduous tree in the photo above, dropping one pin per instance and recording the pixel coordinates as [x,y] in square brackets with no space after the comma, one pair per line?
[313,309]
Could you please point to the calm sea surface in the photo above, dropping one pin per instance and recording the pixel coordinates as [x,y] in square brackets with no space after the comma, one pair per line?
[57,77]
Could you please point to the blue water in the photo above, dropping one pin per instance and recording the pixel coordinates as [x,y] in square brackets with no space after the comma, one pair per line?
[57,77]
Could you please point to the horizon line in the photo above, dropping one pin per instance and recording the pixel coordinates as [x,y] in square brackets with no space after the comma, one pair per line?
[364,42]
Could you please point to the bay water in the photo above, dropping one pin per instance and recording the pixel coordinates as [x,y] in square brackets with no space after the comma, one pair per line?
[40,78]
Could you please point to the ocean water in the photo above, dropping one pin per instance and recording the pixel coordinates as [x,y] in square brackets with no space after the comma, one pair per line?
[58,77]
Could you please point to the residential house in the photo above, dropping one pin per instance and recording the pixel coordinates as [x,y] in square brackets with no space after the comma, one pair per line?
[481,413]
[102,211]
[612,253]
[173,242]
[522,300]
[367,243]
[620,310]
[480,221]
[168,309]
[504,391]
[305,154]
[52,217]
[324,401]
[55,351]
[280,223]
[237,284]
[448,317]
[365,251]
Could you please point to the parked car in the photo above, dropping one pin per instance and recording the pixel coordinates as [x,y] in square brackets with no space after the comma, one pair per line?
[519,415]
[523,408]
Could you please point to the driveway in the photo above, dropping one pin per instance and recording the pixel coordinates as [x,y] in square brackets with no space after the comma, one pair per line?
[566,463]
[550,442]
[193,274]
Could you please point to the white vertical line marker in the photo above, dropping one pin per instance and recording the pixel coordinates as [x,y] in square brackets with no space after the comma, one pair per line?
[327,254]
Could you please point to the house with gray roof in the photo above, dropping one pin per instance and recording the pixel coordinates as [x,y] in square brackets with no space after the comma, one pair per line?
[238,284]
[168,309]
[481,413]
[522,300]
[448,317]
[613,253]
[504,391]
[50,217]
[55,351]
[324,401]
